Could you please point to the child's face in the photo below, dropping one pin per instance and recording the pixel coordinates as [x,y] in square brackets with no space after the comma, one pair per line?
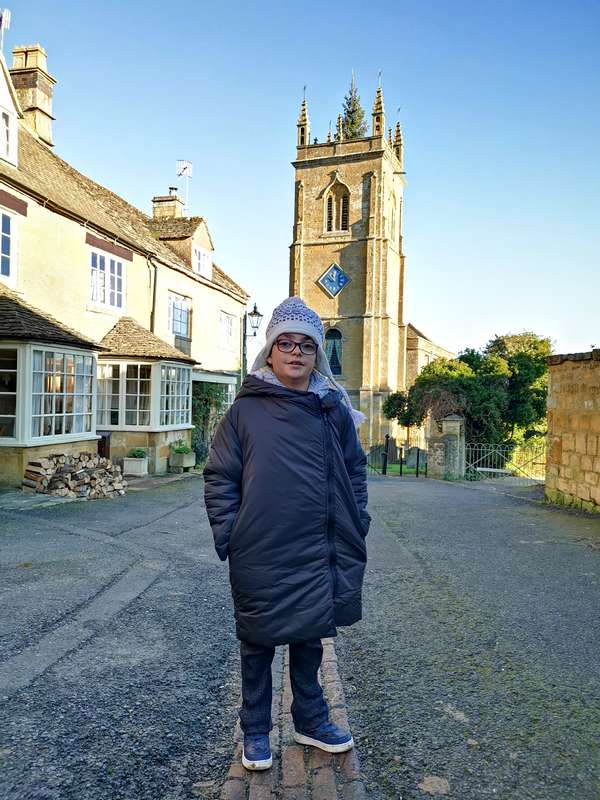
[293,369]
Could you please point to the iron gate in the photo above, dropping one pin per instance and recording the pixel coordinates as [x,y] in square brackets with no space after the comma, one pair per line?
[389,459]
[523,465]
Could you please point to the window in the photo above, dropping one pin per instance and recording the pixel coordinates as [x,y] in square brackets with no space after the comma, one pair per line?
[137,394]
[337,214]
[63,389]
[180,313]
[302,136]
[8,136]
[333,350]
[175,395]
[227,322]
[8,393]
[106,281]
[6,246]
[109,392]
[202,262]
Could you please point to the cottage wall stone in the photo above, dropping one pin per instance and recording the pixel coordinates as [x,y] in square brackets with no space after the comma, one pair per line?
[573,464]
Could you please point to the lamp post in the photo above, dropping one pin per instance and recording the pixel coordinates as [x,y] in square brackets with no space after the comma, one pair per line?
[255,318]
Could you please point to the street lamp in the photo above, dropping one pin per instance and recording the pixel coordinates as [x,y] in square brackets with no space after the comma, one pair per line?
[255,318]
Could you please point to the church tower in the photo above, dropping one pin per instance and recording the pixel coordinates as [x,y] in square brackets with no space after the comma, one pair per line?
[346,258]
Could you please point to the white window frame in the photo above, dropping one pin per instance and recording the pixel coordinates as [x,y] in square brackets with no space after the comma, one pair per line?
[174,298]
[16,415]
[108,258]
[202,262]
[23,428]
[181,399]
[155,396]
[9,150]
[11,278]
[227,322]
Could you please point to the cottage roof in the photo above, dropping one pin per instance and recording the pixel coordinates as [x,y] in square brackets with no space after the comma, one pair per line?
[48,177]
[175,228]
[22,322]
[130,339]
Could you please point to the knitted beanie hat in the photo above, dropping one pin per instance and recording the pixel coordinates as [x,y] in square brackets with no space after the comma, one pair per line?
[294,316]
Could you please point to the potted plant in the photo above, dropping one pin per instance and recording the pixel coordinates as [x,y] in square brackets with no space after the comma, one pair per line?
[136,462]
[181,455]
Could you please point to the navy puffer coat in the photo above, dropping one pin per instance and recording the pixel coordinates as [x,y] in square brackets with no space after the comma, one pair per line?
[286,495]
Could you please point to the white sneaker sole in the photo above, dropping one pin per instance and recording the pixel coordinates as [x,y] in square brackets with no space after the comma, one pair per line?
[329,748]
[255,766]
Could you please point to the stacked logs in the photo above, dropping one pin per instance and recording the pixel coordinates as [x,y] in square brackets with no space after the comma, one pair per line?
[86,475]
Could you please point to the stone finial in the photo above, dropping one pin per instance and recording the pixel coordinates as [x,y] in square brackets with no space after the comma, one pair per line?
[390,136]
[339,133]
[398,143]
[303,125]
[329,137]
[378,114]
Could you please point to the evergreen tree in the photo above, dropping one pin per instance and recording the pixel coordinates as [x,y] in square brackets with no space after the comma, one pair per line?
[353,123]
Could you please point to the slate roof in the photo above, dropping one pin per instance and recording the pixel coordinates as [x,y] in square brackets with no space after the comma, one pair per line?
[46,175]
[178,228]
[22,322]
[130,339]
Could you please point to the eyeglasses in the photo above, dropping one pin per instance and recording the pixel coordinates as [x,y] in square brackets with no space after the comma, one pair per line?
[288,346]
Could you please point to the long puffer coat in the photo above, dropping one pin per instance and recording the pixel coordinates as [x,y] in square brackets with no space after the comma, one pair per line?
[286,495]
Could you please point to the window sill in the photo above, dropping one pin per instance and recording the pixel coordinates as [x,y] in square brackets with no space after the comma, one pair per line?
[100,309]
[41,441]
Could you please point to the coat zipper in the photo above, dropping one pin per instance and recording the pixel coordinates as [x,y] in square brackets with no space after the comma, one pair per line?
[330,518]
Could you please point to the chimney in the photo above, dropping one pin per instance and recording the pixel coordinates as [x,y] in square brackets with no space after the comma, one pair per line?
[34,87]
[167,206]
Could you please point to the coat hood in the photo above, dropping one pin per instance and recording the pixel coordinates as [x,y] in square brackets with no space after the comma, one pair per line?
[255,387]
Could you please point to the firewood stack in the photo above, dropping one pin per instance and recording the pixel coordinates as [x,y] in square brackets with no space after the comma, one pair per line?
[85,475]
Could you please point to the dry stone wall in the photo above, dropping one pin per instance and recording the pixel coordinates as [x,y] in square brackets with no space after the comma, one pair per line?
[573,465]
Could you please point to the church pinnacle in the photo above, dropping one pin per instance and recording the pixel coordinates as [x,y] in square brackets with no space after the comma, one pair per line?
[398,144]
[378,114]
[303,125]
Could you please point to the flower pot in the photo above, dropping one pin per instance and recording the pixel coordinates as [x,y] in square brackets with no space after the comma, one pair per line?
[182,459]
[135,466]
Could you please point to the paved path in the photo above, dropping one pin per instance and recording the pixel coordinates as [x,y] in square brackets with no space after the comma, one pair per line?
[475,672]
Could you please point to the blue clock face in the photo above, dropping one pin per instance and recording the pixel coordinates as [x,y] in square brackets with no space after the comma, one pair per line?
[334,280]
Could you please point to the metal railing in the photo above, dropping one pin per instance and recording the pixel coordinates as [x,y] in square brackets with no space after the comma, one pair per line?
[389,459]
[521,465]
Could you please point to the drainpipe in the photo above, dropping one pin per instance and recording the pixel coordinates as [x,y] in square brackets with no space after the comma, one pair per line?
[152,264]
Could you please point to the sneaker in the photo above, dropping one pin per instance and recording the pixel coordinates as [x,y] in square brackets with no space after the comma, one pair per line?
[327,737]
[256,752]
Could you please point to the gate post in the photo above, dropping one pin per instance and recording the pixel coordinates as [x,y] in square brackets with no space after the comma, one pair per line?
[446,448]
[385,454]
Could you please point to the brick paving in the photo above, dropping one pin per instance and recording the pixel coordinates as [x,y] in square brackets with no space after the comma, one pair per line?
[298,772]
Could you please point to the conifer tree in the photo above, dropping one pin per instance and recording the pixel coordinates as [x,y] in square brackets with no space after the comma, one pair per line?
[353,124]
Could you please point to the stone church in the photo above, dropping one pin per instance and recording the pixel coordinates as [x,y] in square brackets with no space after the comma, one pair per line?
[347,262]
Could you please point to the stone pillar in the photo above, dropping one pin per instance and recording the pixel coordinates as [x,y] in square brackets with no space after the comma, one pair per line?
[446,448]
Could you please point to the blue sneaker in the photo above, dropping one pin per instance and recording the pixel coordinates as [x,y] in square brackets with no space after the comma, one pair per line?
[327,737]
[256,753]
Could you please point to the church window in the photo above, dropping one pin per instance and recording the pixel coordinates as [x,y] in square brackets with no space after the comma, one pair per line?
[302,136]
[337,209]
[333,350]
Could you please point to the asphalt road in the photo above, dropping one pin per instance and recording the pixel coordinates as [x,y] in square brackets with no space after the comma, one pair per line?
[119,660]
[475,671]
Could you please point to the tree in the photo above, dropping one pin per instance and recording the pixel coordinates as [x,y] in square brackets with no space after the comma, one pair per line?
[353,121]
[500,390]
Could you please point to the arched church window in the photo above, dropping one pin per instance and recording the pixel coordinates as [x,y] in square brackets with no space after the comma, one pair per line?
[333,350]
[337,209]
[302,136]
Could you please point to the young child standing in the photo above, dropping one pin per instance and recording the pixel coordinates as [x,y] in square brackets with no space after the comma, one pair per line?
[286,495]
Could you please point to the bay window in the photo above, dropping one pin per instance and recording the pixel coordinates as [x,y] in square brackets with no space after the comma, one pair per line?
[8,392]
[175,395]
[62,393]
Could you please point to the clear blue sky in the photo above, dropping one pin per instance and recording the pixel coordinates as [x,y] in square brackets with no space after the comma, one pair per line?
[500,112]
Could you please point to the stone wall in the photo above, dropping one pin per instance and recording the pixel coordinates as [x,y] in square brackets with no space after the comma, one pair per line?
[13,460]
[573,465]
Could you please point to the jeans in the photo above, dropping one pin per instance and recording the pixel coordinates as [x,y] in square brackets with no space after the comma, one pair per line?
[309,708]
